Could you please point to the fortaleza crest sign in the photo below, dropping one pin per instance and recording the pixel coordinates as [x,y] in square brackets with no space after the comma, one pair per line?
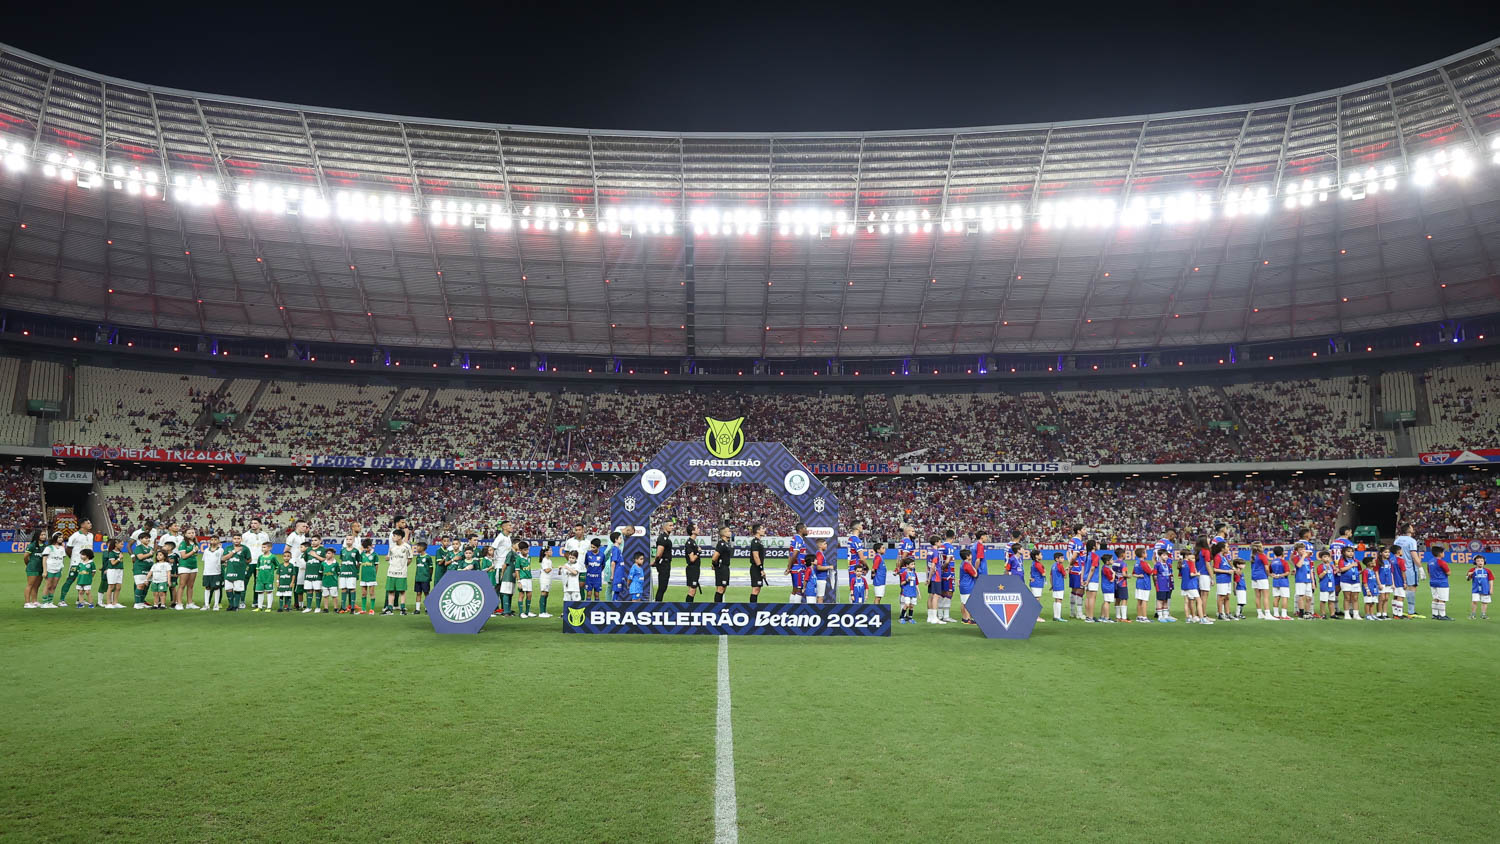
[1003,607]
[648,617]
[462,602]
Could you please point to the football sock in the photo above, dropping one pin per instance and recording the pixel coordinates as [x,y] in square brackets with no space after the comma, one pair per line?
[754,598]
[690,598]
[718,597]
[1057,610]
[542,602]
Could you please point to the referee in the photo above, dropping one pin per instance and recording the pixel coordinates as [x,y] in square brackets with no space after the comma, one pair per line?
[691,563]
[662,562]
[723,553]
[757,562]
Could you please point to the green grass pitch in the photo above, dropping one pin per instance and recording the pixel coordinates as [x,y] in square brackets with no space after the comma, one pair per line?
[190,726]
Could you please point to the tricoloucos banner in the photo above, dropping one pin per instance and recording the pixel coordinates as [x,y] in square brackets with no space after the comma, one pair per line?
[727,619]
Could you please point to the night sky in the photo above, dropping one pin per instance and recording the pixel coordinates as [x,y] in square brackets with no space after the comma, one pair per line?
[753,66]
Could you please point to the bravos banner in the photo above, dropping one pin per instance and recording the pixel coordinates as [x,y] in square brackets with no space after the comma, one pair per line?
[728,619]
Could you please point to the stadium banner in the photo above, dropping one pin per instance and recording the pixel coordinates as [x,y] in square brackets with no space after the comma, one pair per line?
[651,617]
[152,455]
[984,468]
[462,602]
[67,476]
[1002,606]
[1369,487]
[1450,458]
[459,464]
[858,467]
[8,535]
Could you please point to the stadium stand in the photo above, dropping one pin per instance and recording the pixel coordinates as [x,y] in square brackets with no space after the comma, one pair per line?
[302,417]
[988,426]
[133,407]
[1450,505]
[1309,419]
[1135,426]
[223,502]
[135,495]
[506,424]
[46,381]
[1465,405]
[1398,391]
[15,429]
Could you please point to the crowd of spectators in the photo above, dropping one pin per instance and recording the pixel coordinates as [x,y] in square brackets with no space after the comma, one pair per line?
[20,497]
[134,495]
[136,409]
[1451,504]
[503,424]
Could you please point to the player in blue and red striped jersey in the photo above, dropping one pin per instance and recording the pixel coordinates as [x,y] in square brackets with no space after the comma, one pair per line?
[950,576]
[906,549]
[1076,548]
[908,575]
[934,578]
[797,568]
[1302,580]
[1481,585]
[797,548]
[856,547]
[1059,580]
[970,568]
[1037,572]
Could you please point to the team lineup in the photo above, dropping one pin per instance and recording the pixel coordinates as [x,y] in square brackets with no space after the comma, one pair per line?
[1098,583]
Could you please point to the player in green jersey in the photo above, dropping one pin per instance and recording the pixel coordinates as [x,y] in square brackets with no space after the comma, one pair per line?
[267,572]
[422,582]
[186,564]
[236,564]
[312,579]
[286,585]
[348,579]
[505,581]
[142,556]
[523,579]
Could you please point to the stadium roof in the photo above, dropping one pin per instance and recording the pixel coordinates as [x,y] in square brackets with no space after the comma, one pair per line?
[1343,210]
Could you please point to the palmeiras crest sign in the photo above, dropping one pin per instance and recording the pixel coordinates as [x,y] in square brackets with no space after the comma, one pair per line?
[723,456]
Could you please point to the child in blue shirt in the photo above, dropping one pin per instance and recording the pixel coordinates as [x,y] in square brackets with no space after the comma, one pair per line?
[1481,584]
[859,581]
[593,571]
[638,577]
[907,573]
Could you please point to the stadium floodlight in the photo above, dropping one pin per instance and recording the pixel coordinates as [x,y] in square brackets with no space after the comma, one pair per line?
[1462,165]
[15,155]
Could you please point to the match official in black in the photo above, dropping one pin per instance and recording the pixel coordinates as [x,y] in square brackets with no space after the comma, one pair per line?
[662,562]
[757,562]
[723,554]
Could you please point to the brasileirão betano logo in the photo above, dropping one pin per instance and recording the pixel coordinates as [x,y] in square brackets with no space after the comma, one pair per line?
[724,439]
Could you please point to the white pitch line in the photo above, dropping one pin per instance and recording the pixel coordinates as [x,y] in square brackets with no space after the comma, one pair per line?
[726,809]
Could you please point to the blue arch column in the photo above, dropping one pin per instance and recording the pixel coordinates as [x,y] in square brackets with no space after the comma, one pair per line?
[766,463]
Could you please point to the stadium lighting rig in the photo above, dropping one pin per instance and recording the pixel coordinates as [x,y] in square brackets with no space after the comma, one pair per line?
[1055,212]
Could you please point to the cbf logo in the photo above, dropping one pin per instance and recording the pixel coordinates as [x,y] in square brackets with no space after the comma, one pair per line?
[465,601]
[724,439]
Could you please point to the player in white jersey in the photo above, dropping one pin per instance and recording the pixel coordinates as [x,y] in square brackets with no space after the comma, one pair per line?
[574,548]
[77,541]
[255,540]
[296,540]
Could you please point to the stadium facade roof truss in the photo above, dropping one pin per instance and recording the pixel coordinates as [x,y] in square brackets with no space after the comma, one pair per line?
[1307,216]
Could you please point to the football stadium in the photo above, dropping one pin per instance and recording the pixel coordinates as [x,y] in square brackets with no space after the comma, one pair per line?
[588,426]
